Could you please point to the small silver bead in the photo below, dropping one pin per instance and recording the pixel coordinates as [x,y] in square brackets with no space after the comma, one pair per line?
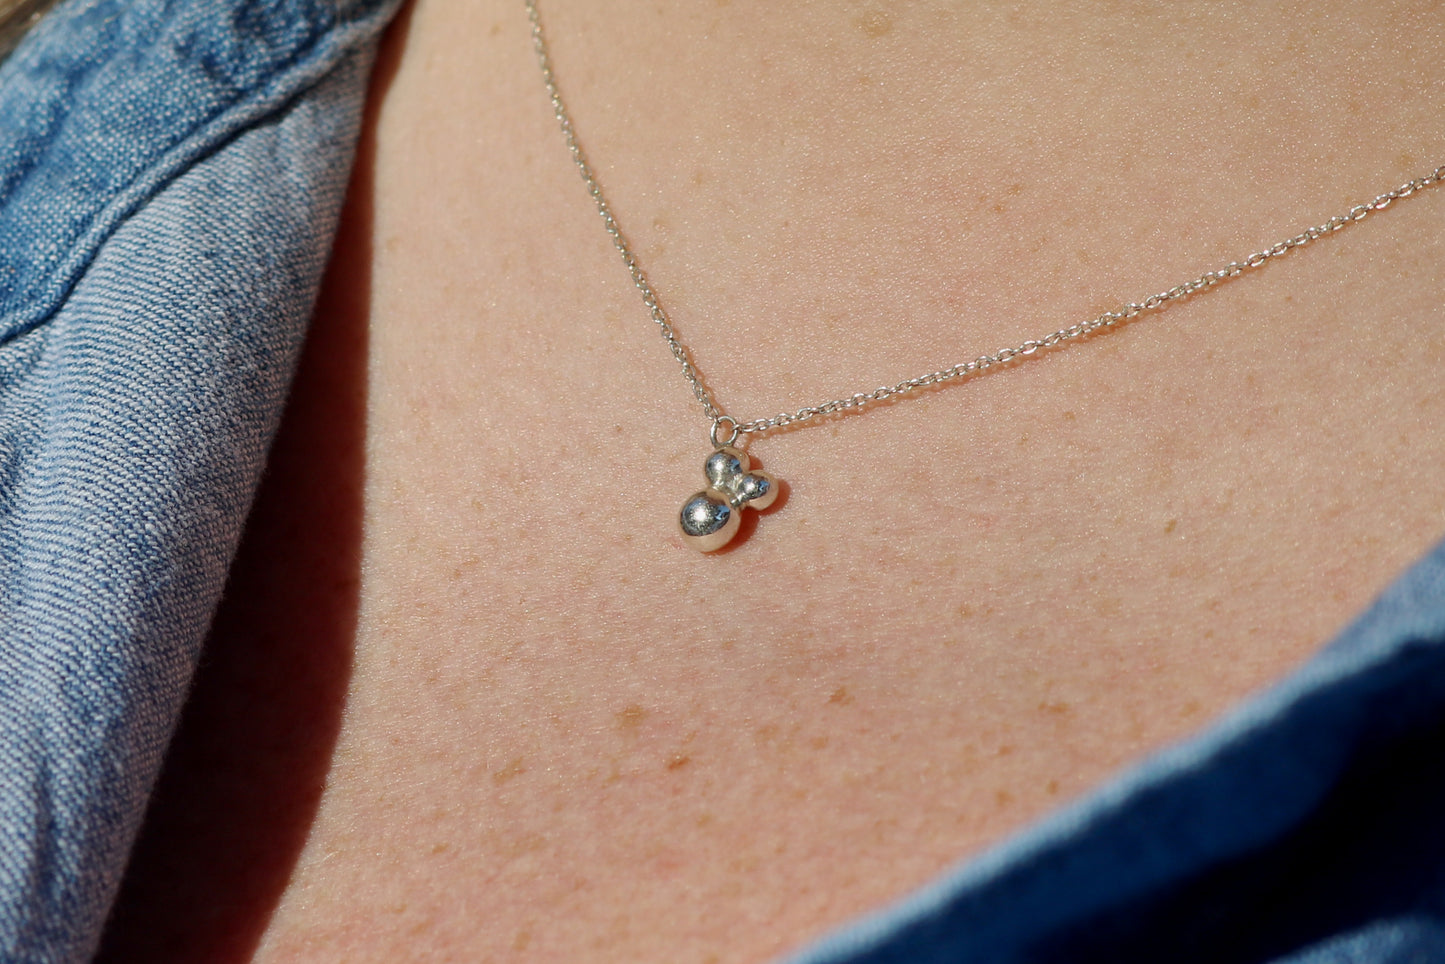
[724,465]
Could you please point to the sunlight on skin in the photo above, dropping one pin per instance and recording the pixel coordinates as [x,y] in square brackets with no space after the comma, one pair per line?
[569,737]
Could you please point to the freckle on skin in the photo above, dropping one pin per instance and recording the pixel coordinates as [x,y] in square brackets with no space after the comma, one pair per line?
[465,566]
[631,718]
[875,24]
[1170,525]
[514,769]
[841,696]
[678,762]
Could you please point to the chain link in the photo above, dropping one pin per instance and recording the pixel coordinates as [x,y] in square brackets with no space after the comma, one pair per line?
[1003,356]
[594,188]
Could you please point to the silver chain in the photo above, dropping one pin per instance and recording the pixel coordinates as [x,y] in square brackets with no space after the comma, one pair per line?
[962,370]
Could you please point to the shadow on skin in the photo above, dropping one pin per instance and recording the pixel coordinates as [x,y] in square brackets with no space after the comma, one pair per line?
[245,772]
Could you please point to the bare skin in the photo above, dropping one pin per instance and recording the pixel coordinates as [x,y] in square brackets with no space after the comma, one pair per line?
[567,737]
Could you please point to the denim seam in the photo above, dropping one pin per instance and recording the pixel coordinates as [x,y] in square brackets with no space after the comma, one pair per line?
[306,69]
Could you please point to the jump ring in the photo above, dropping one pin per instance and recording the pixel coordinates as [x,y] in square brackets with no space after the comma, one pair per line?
[732,435]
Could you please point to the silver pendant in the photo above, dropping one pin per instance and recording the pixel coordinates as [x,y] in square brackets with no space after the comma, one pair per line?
[711,518]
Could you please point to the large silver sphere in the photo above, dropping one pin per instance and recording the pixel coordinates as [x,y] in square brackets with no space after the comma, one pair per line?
[708,522]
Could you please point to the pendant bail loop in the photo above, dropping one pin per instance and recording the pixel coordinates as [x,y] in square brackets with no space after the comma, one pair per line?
[733,432]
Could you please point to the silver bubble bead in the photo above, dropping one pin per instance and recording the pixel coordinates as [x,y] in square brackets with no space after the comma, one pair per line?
[711,518]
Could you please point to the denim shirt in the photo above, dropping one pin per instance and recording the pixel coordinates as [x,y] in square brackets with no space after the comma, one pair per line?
[170,177]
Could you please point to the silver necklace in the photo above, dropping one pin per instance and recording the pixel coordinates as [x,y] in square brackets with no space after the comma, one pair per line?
[710,518]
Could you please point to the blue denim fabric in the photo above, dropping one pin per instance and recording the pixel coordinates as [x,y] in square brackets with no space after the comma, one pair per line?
[1308,827]
[170,177]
